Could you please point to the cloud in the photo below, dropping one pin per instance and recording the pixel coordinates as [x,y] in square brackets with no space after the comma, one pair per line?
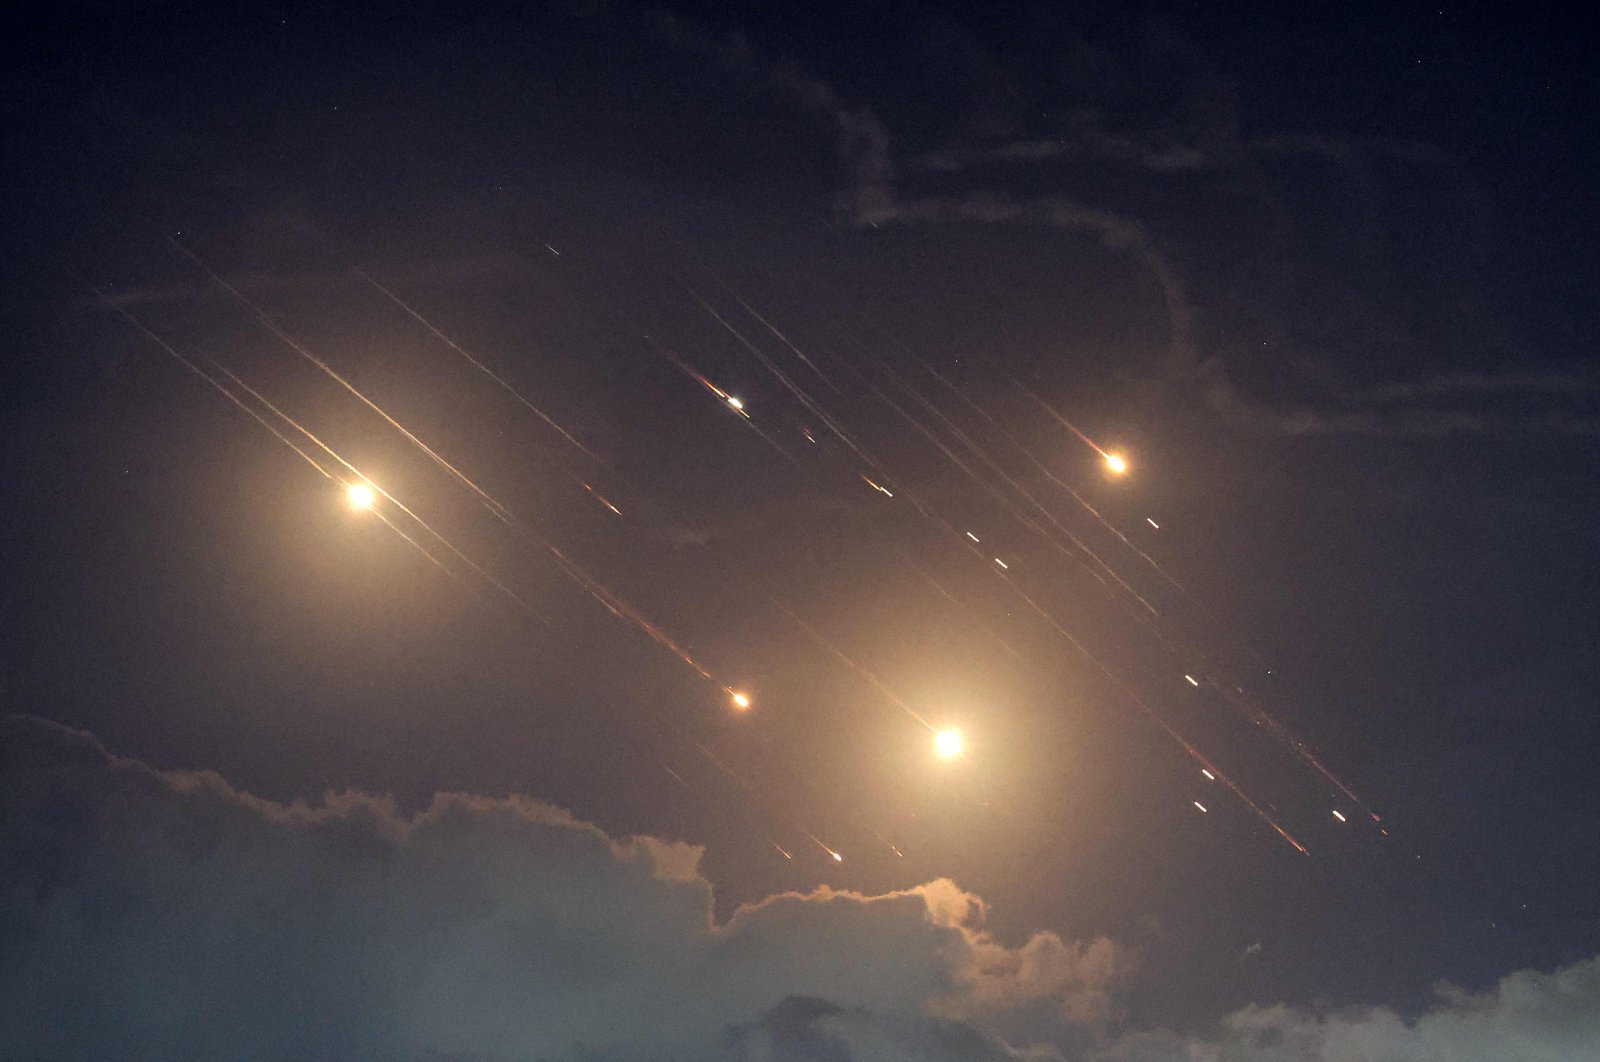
[150,914]
[1110,229]
[1527,1017]
[861,140]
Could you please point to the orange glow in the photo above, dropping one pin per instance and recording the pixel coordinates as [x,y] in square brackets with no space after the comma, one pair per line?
[948,743]
[360,496]
[741,701]
[1116,464]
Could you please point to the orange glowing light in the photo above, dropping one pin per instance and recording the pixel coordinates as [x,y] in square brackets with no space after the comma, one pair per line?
[948,744]
[1116,464]
[360,496]
[741,701]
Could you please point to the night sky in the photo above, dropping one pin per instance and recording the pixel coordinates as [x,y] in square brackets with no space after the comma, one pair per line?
[1326,283]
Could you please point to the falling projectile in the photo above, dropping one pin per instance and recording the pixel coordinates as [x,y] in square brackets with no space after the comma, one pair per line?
[1199,805]
[972,536]
[1208,774]
[1002,564]
[885,491]
[1338,816]
[1152,523]
[1191,680]
[360,496]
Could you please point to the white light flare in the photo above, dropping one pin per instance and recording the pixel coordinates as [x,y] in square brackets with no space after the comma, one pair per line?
[1202,807]
[1116,464]
[1208,774]
[948,743]
[740,700]
[1152,523]
[972,536]
[1340,817]
[1191,680]
[360,496]
[1002,564]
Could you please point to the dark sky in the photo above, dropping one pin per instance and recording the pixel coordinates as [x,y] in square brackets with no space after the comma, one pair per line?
[1328,282]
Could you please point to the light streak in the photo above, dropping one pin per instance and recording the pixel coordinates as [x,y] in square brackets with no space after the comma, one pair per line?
[261,315]
[973,537]
[838,431]
[740,700]
[838,654]
[601,498]
[1073,428]
[1156,718]
[259,419]
[1338,816]
[1002,564]
[885,491]
[1094,560]
[597,590]
[390,498]
[755,796]
[1166,727]
[481,367]
[1190,679]
[785,340]
[1152,523]
[1116,464]
[1199,805]
[1208,774]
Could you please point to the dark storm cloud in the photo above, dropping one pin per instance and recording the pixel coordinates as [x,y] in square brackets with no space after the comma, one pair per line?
[167,915]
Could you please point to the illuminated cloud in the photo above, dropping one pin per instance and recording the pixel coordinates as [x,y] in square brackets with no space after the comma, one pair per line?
[1528,1016]
[156,915]
[168,915]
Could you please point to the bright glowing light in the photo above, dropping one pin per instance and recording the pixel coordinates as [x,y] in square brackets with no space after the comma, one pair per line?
[1116,464]
[735,403]
[1002,564]
[741,701]
[837,858]
[360,496]
[1338,816]
[1191,680]
[972,536]
[1199,805]
[948,743]
[1152,523]
[1208,774]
